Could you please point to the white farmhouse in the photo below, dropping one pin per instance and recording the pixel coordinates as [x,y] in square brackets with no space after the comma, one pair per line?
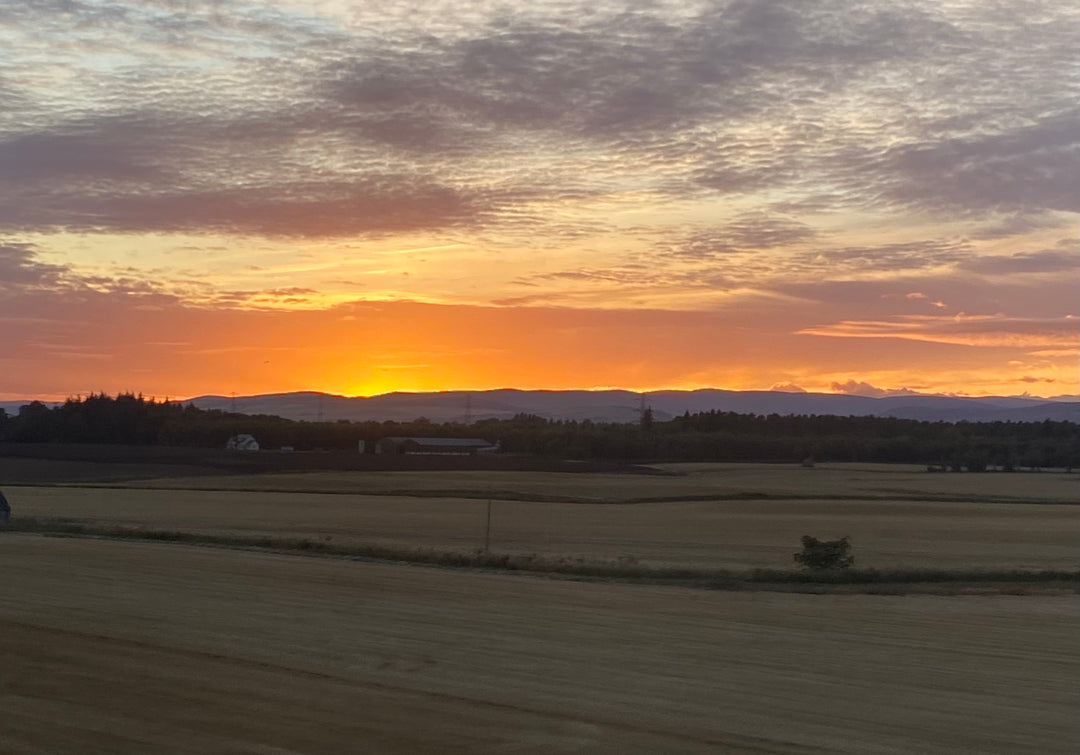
[242,443]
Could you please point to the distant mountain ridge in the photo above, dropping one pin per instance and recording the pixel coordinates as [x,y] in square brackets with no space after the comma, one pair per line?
[625,406]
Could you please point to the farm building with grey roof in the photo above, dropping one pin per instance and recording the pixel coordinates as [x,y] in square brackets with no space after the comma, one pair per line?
[435,446]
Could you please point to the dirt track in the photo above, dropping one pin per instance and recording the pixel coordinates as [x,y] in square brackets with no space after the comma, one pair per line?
[127,647]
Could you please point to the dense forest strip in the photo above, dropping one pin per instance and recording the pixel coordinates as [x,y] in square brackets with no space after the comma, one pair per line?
[56,461]
[708,436]
[870,580]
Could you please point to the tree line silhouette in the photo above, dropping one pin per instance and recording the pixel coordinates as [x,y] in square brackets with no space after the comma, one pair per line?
[131,419]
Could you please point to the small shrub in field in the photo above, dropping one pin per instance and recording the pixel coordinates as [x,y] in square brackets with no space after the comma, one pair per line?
[825,554]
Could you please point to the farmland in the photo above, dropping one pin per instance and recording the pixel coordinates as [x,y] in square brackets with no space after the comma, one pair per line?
[136,646]
[707,516]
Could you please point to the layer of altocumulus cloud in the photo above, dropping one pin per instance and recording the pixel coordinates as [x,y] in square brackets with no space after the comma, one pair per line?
[261,119]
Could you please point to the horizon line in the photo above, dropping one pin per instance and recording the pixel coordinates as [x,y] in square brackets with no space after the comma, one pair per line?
[887,393]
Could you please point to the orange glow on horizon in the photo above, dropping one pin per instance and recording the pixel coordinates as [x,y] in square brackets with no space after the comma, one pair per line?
[371,349]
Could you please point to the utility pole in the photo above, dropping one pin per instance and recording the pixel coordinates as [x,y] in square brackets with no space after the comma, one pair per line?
[645,415]
[487,529]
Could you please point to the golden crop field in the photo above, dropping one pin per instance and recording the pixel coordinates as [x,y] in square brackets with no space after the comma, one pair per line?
[122,647]
[896,516]
[682,480]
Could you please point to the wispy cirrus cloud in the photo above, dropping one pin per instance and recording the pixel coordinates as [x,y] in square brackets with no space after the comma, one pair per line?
[967,330]
[25,278]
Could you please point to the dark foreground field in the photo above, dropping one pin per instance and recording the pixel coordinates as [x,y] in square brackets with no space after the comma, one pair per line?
[136,647]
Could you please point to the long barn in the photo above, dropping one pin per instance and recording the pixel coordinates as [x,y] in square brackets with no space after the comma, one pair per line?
[435,446]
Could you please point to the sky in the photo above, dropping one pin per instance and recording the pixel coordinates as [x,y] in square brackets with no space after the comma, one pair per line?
[244,196]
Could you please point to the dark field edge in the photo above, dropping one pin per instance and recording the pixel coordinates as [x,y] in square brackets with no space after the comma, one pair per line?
[883,581]
[123,460]
[514,495]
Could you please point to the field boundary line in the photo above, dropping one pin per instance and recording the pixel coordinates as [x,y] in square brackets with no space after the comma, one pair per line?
[873,581]
[503,495]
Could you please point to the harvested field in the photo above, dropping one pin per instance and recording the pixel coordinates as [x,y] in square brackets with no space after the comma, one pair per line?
[726,534]
[679,482]
[131,647]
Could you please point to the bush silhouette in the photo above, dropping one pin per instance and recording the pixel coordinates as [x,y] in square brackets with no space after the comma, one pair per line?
[825,554]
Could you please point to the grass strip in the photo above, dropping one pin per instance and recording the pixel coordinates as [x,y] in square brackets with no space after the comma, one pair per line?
[527,497]
[622,569]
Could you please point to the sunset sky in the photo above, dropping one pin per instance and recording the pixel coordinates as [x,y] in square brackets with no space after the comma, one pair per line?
[218,196]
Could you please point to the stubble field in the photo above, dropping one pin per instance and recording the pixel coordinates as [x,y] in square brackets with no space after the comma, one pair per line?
[708,517]
[671,482]
[135,647]
[119,646]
